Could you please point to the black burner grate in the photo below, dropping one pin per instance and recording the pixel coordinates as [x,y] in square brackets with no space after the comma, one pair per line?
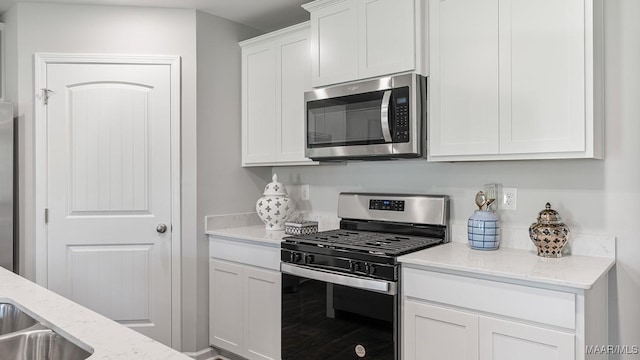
[372,242]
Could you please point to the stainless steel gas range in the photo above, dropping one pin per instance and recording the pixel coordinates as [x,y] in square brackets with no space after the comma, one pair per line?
[340,295]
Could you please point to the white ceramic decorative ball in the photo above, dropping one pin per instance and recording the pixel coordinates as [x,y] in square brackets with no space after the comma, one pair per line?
[275,207]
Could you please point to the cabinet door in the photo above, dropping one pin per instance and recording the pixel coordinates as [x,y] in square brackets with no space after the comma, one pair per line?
[463,90]
[542,76]
[262,294]
[293,75]
[258,103]
[432,332]
[225,305]
[506,340]
[334,43]
[386,37]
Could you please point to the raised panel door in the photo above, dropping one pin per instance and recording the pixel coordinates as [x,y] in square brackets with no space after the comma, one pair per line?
[334,44]
[542,72]
[463,83]
[262,294]
[432,332]
[226,305]
[108,188]
[389,48]
[507,340]
[258,103]
[293,75]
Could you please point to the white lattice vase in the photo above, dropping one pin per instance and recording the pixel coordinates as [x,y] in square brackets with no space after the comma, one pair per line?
[275,207]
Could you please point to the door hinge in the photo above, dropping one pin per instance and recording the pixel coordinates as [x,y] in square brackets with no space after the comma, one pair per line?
[46,215]
[45,95]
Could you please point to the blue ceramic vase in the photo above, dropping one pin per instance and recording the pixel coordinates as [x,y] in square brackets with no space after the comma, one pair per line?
[484,230]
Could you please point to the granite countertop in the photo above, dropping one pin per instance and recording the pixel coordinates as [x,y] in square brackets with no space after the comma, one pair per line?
[575,271]
[108,339]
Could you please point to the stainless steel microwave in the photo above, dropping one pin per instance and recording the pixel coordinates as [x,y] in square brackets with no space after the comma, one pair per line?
[367,120]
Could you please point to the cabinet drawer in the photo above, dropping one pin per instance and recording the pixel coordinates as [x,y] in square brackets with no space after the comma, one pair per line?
[245,252]
[517,301]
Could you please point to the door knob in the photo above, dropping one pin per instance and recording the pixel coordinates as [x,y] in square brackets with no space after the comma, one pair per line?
[162,228]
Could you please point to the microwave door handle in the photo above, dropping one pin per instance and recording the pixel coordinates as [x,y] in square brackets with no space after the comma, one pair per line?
[384,116]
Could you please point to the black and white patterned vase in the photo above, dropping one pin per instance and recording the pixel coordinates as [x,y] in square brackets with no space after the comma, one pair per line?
[275,207]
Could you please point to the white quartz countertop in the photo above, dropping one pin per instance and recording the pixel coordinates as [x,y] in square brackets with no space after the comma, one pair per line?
[256,233]
[108,339]
[575,271]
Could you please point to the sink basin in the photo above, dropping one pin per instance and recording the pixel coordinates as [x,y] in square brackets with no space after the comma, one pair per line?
[24,338]
[13,319]
[39,344]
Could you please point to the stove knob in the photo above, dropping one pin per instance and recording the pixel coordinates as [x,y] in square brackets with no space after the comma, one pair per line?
[295,257]
[357,267]
[371,269]
[308,259]
[352,266]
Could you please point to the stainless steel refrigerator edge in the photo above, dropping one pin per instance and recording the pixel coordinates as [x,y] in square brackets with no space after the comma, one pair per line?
[7,245]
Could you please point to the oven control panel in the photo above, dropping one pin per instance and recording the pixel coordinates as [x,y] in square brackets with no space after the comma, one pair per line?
[389,205]
[333,263]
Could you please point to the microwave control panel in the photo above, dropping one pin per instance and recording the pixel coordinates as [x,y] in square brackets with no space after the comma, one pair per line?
[401,115]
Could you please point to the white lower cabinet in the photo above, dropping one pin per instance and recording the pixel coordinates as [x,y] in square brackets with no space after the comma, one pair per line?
[454,317]
[225,306]
[508,340]
[245,296]
[432,332]
[244,309]
[262,294]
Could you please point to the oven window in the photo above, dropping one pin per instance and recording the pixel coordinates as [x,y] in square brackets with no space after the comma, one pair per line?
[347,120]
[335,322]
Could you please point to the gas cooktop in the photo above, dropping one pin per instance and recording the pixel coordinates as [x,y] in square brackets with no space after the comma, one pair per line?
[375,229]
[376,243]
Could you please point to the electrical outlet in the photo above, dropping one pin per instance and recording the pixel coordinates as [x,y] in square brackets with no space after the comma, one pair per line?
[509,198]
[304,192]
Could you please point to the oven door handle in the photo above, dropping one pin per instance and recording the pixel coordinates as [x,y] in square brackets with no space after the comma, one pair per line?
[381,286]
[384,116]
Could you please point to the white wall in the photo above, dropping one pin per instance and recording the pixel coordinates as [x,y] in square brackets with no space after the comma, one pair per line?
[592,196]
[223,186]
[39,27]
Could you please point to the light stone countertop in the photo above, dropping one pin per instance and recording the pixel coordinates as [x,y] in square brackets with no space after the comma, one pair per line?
[515,260]
[256,233]
[248,227]
[574,271]
[108,339]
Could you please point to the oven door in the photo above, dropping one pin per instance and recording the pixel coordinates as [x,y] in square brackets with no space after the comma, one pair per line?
[332,316]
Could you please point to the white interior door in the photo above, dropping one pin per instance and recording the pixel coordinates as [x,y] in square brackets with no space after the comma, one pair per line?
[109,189]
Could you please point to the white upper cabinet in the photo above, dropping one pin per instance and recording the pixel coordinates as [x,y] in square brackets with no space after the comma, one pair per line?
[386,37]
[258,103]
[293,79]
[358,39]
[463,80]
[276,71]
[334,43]
[515,79]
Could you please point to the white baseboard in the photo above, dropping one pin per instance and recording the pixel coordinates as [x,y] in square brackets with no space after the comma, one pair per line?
[205,354]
